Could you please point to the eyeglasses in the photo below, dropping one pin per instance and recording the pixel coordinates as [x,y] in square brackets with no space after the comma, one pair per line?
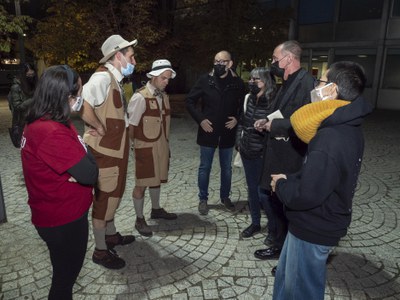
[274,58]
[255,79]
[221,62]
[319,81]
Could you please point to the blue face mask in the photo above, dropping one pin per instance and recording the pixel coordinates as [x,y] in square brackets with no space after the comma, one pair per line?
[128,70]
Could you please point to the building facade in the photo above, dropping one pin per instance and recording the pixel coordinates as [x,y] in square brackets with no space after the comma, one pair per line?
[367,32]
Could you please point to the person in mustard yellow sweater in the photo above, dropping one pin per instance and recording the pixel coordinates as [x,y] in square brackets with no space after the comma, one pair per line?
[318,198]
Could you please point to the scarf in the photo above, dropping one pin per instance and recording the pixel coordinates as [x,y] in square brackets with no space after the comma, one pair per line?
[307,119]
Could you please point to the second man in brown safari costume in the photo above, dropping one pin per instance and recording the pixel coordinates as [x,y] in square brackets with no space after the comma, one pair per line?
[149,121]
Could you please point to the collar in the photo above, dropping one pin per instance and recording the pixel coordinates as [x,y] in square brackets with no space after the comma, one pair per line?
[153,90]
[150,87]
[116,73]
[291,77]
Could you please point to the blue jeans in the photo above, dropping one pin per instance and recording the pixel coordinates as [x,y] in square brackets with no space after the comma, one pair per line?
[225,162]
[301,270]
[258,199]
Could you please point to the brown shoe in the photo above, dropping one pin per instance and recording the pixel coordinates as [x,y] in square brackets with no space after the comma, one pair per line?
[118,239]
[108,259]
[142,227]
[160,213]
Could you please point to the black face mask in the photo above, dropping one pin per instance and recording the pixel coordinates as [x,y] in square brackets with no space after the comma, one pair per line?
[253,88]
[219,70]
[276,70]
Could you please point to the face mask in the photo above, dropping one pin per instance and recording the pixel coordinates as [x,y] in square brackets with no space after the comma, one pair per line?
[128,70]
[276,70]
[78,104]
[317,94]
[253,88]
[219,70]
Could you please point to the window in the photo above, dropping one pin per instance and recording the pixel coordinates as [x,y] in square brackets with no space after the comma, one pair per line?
[391,77]
[396,8]
[316,11]
[355,10]
[365,57]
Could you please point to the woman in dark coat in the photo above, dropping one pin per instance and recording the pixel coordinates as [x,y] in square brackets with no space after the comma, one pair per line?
[250,143]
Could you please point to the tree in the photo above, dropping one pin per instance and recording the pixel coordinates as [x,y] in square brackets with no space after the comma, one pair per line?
[244,28]
[10,27]
[66,36]
[139,20]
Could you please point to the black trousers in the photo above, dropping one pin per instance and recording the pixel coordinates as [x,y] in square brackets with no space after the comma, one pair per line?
[67,245]
[280,221]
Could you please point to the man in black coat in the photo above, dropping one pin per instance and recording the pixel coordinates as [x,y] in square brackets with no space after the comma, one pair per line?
[221,93]
[284,152]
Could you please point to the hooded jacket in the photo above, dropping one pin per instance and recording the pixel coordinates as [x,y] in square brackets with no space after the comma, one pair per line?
[318,198]
[217,105]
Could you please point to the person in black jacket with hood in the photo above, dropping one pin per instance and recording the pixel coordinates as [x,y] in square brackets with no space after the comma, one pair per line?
[318,198]
[221,92]
[250,143]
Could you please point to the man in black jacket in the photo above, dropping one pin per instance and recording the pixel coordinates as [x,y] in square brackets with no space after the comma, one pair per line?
[318,198]
[284,152]
[221,92]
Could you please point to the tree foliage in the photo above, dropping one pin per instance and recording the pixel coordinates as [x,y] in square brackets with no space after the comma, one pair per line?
[65,36]
[139,20]
[187,32]
[244,28]
[10,27]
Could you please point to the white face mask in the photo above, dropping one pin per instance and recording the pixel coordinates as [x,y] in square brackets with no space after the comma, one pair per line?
[78,104]
[317,94]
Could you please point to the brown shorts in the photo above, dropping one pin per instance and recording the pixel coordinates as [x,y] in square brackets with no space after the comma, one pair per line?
[111,183]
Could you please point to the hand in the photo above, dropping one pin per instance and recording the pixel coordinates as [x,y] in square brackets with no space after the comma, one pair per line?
[231,123]
[206,125]
[97,131]
[267,126]
[275,178]
[72,179]
[259,124]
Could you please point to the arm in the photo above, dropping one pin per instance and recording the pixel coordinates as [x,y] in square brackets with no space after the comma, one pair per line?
[281,128]
[192,99]
[85,171]
[89,117]
[16,97]
[312,185]
[233,120]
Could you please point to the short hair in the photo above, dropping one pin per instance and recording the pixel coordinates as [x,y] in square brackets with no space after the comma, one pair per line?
[349,77]
[293,47]
[266,77]
[50,100]
[123,51]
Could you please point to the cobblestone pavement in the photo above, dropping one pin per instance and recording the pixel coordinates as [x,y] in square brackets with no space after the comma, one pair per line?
[204,257]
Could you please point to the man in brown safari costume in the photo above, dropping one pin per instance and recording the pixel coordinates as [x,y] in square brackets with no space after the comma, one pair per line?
[149,121]
[106,133]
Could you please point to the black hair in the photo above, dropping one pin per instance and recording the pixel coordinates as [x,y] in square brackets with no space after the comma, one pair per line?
[349,77]
[50,100]
[268,79]
[27,85]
